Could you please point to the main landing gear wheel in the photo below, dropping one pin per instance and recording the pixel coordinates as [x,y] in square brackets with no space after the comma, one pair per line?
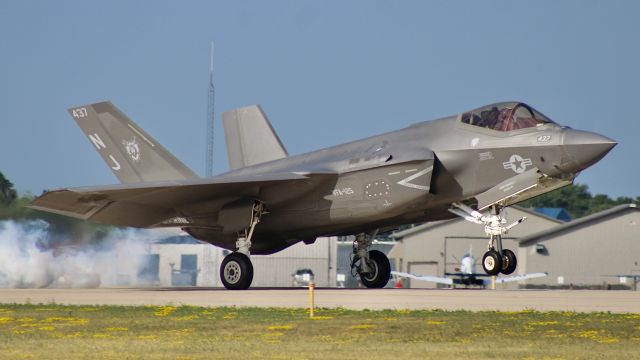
[380,270]
[492,262]
[509,262]
[236,271]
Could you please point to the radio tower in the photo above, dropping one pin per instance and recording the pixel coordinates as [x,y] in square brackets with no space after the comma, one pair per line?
[210,120]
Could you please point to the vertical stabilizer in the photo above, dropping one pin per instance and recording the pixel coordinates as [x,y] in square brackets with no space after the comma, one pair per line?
[250,137]
[131,153]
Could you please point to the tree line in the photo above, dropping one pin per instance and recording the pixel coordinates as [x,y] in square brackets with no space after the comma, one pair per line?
[577,200]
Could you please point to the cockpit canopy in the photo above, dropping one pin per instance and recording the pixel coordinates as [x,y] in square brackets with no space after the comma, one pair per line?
[506,116]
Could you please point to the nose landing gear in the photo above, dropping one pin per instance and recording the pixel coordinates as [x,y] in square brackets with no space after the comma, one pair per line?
[496,260]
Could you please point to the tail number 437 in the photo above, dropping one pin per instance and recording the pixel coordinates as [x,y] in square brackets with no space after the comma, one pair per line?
[79,113]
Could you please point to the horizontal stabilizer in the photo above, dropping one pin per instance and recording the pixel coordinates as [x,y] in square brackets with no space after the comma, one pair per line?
[250,137]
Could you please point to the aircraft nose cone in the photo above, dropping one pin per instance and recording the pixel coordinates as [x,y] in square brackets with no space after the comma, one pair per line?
[585,148]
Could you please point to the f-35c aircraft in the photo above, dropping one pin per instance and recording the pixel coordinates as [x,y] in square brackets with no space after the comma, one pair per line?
[472,165]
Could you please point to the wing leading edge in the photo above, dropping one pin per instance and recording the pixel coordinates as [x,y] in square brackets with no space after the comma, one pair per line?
[150,204]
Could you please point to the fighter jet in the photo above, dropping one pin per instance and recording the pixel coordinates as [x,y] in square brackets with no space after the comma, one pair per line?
[463,165]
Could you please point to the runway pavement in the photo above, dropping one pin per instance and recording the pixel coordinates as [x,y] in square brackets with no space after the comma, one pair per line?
[374,299]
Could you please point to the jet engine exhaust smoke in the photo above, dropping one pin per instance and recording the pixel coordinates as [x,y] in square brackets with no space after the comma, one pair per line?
[28,261]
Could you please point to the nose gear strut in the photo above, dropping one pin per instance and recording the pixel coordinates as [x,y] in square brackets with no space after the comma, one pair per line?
[496,260]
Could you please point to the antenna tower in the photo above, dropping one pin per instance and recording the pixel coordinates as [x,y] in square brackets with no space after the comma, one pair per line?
[210,120]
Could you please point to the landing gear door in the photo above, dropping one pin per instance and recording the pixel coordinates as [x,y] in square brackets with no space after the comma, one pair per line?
[504,192]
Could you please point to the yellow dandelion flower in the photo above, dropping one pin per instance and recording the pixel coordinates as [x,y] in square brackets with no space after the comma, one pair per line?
[117,329]
[273,334]
[29,325]
[20,332]
[280,327]
[164,310]
[362,326]
[230,316]
[4,320]
[609,340]
[543,323]
[436,322]
[588,334]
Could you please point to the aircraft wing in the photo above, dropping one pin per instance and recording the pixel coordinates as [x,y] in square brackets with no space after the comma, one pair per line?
[151,203]
[508,279]
[435,279]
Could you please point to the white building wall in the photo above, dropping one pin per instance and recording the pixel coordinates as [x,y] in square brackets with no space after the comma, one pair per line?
[277,269]
[209,258]
[269,270]
[584,255]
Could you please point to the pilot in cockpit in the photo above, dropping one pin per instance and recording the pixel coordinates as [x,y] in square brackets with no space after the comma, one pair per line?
[489,118]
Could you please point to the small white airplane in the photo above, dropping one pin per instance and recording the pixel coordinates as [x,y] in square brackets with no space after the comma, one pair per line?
[466,275]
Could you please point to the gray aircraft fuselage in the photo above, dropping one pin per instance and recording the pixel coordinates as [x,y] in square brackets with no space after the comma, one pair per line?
[410,175]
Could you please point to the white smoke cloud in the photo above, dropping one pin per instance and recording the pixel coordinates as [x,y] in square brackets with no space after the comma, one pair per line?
[26,261]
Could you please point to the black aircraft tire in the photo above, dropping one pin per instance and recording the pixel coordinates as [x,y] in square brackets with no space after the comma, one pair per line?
[492,262]
[509,262]
[381,270]
[236,271]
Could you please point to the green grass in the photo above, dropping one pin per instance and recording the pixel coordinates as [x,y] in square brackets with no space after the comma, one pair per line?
[118,332]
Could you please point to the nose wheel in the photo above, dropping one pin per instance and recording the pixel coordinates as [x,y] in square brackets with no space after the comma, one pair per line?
[509,262]
[497,260]
[494,264]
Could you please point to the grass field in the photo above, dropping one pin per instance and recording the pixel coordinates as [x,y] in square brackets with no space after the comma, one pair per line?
[118,332]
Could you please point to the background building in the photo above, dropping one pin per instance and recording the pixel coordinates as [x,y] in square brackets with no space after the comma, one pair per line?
[437,247]
[184,261]
[601,250]
[592,251]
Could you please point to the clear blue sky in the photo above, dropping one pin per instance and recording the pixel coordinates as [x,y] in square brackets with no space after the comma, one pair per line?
[325,73]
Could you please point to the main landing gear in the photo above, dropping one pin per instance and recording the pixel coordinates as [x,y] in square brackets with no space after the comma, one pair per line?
[372,266]
[496,260]
[236,270]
